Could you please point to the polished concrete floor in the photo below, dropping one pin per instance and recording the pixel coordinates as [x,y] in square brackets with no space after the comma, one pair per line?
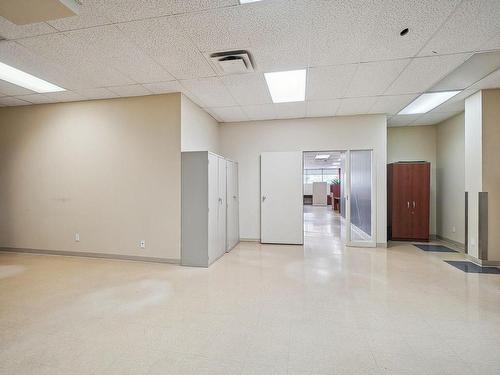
[317,309]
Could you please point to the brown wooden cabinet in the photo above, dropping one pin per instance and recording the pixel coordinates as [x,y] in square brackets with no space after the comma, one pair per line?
[408,190]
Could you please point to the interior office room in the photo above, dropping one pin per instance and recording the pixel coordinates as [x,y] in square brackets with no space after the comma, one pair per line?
[249,187]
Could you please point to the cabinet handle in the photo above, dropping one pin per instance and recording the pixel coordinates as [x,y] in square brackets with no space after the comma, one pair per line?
[263,198]
[408,204]
[413,204]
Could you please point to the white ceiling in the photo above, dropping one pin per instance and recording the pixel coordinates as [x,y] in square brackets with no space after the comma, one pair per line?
[357,62]
[310,161]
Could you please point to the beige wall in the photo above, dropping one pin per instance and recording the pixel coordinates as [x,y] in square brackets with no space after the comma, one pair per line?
[244,142]
[200,132]
[451,179]
[491,168]
[415,143]
[108,169]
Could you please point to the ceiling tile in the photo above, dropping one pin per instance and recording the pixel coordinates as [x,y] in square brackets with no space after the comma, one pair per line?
[340,29]
[9,30]
[422,73]
[128,10]
[8,89]
[219,30]
[355,106]
[329,82]
[492,44]
[491,81]
[260,112]
[229,114]
[167,43]
[391,104]
[96,93]
[211,91]
[322,108]
[65,96]
[280,35]
[248,89]
[84,66]
[10,101]
[111,47]
[89,16]
[129,90]
[432,118]
[290,110]
[422,18]
[402,120]
[164,87]
[374,78]
[36,98]
[472,24]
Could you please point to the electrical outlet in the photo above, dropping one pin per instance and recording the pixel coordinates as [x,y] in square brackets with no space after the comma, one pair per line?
[453,229]
[77,237]
[142,244]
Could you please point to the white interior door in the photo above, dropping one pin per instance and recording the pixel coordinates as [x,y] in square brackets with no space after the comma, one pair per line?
[232,205]
[281,206]
[360,199]
[221,222]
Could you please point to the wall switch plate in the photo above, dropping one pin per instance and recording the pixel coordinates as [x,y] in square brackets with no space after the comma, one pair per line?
[77,237]
[142,244]
[453,229]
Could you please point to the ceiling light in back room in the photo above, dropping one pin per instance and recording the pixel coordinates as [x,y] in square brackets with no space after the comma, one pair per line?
[322,157]
[288,86]
[427,102]
[26,80]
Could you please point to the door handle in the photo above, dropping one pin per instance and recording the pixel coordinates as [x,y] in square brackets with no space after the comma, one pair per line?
[263,198]
[413,204]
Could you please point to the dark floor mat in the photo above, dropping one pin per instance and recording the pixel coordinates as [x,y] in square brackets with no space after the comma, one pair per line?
[435,248]
[470,267]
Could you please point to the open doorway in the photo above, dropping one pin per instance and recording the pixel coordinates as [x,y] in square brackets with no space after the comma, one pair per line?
[324,196]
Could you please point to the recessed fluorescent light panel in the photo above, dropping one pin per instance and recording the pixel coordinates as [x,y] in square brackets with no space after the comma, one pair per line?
[248,1]
[426,102]
[20,78]
[322,157]
[289,86]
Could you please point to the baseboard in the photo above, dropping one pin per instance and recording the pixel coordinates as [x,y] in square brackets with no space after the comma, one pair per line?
[457,244]
[382,244]
[249,239]
[91,255]
[483,263]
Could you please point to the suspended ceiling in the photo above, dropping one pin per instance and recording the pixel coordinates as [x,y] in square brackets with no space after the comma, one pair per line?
[356,60]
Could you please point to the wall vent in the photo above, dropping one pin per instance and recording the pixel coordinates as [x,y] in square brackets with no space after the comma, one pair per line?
[232,62]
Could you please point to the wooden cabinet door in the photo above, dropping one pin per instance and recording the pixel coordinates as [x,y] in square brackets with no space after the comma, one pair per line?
[420,201]
[401,219]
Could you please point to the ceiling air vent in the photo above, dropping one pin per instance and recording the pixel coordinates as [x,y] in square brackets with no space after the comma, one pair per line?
[232,62]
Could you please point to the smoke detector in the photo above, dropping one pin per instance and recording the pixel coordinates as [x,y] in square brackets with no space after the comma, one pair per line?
[232,62]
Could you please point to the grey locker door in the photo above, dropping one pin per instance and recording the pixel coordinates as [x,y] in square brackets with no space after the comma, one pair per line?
[213,207]
[232,205]
[221,223]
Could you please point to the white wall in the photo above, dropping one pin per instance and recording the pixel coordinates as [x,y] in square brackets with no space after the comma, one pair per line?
[451,179]
[415,143]
[199,130]
[244,142]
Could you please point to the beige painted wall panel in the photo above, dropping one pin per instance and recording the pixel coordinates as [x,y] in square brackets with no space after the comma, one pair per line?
[491,168]
[245,141]
[108,169]
[415,143]
[200,132]
[451,179]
